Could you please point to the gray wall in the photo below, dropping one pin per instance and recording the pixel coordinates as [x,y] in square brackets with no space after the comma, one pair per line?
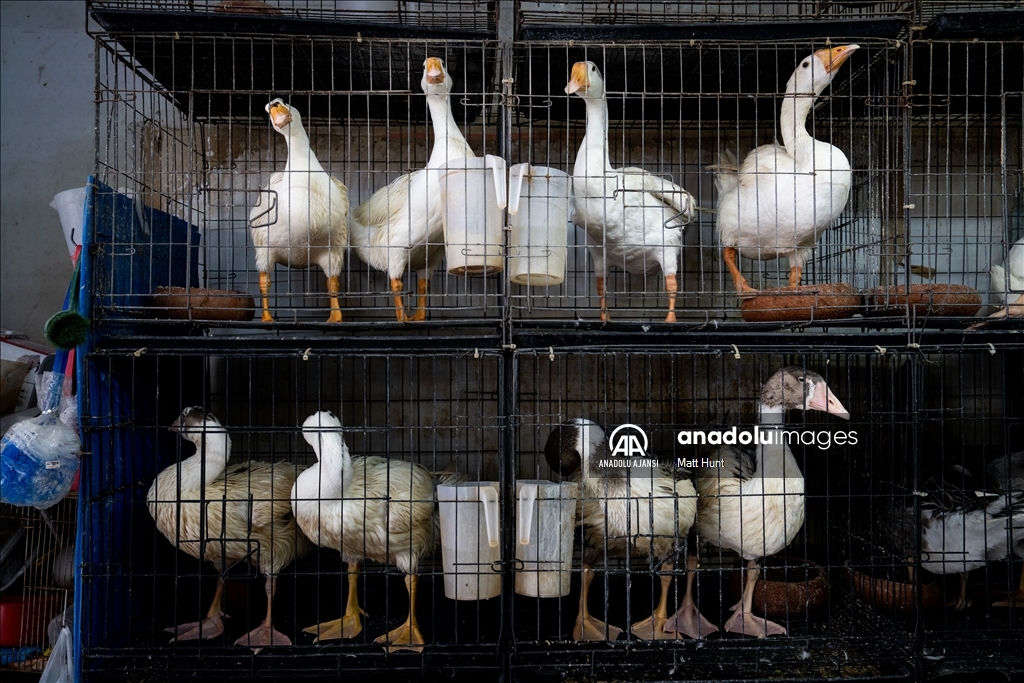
[47,139]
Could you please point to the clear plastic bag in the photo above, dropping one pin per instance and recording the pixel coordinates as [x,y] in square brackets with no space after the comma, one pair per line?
[60,668]
[38,461]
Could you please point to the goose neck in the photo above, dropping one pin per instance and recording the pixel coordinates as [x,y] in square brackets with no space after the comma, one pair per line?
[596,138]
[793,123]
[300,156]
[445,126]
[335,464]
[212,452]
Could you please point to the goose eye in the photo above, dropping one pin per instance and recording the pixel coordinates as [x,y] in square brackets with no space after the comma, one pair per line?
[800,379]
[593,68]
[805,64]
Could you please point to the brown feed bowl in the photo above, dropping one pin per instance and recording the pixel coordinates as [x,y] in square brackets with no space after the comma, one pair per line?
[888,596]
[806,303]
[923,300]
[179,303]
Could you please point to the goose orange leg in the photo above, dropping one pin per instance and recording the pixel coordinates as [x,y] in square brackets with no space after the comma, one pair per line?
[743,289]
[396,289]
[332,287]
[407,636]
[604,302]
[671,286]
[421,304]
[350,625]
[265,297]
[796,273]
[587,627]
[652,628]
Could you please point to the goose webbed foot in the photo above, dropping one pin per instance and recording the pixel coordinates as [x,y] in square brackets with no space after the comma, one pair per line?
[652,628]
[690,622]
[405,637]
[749,625]
[349,626]
[210,627]
[590,629]
[262,636]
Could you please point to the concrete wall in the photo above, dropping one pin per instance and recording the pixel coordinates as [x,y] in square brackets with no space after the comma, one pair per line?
[46,145]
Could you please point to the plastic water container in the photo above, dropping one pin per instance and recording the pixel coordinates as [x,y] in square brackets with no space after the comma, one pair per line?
[539,212]
[470,540]
[472,199]
[70,204]
[545,522]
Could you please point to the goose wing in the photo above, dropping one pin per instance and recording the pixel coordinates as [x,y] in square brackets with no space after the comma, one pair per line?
[674,197]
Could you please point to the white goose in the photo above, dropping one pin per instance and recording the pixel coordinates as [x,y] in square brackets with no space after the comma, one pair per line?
[753,503]
[646,513]
[780,200]
[246,503]
[634,220]
[1007,472]
[301,217]
[400,226]
[1007,282]
[368,508]
[961,529]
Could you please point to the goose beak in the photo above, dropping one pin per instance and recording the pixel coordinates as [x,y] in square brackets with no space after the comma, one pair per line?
[579,80]
[833,58]
[435,71]
[280,115]
[825,401]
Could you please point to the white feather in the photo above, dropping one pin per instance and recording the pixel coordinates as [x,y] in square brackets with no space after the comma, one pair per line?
[633,219]
[782,197]
[301,217]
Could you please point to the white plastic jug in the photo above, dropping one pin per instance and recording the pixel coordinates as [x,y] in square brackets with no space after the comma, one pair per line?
[472,198]
[470,540]
[545,521]
[70,204]
[539,212]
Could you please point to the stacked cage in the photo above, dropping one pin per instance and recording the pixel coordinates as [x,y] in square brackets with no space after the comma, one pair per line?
[507,416]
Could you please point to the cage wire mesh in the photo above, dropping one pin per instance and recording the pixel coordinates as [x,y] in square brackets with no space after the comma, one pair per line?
[36,581]
[184,128]
[187,147]
[400,428]
[459,14]
[864,594]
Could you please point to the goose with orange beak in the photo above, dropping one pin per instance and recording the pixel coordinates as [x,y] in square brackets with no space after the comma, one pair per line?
[634,220]
[399,230]
[301,217]
[782,197]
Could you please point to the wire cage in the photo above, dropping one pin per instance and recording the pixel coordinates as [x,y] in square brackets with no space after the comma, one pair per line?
[394,17]
[913,418]
[208,148]
[36,579]
[858,599]
[468,364]
[184,129]
[139,580]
